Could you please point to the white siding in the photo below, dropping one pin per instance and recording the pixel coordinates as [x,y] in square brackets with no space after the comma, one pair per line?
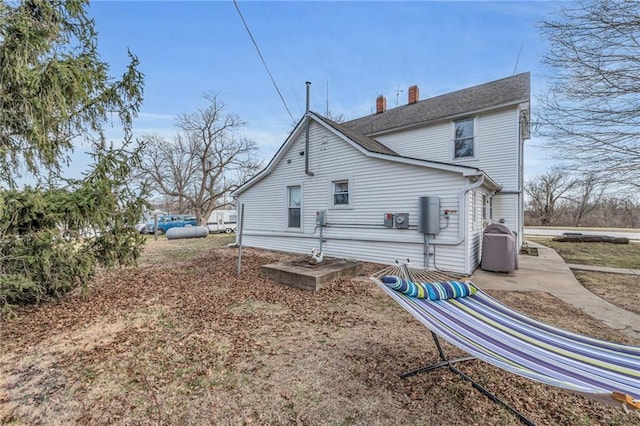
[379,187]
[505,206]
[496,145]
[497,153]
[475,228]
[427,143]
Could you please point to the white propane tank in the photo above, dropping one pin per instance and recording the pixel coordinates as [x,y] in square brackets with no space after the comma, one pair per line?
[187,232]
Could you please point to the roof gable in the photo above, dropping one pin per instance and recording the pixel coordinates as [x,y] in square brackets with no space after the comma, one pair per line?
[368,146]
[507,91]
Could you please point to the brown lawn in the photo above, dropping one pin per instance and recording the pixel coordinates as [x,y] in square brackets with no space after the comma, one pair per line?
[183,340]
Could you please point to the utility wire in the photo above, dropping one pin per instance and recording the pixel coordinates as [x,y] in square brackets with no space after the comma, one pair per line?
[262,59]
[265,14]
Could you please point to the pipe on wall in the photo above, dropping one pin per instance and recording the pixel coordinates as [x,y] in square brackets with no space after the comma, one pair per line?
[462,230]
[306,136]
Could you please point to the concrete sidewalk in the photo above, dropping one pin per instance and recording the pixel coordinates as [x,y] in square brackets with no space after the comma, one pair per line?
[625,271]
[548,273]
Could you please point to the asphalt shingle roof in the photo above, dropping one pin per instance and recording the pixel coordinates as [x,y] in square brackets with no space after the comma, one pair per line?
[506,91]
[366,142]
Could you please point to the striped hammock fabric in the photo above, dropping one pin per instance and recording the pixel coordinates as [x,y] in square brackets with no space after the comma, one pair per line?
[489,330]
[432,291]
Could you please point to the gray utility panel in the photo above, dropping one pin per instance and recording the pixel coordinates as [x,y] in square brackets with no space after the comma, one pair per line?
[402,220]
[429,215]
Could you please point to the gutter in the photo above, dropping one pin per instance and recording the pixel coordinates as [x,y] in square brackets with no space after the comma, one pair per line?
[462,230]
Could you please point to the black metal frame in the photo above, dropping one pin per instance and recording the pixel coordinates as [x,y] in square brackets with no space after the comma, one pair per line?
[449,363]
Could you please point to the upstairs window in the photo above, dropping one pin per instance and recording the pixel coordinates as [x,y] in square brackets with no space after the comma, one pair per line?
[463,139]
[294,203]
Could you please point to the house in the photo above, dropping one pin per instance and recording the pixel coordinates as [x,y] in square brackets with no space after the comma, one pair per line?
[418,182]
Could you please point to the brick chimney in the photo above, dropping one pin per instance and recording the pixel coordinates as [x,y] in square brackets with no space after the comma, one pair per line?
[414,94]
[381,104]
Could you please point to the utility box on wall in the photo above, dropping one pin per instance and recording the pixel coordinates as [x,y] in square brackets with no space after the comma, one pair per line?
[402,220]
[321,218]
[429,215]
[389,219]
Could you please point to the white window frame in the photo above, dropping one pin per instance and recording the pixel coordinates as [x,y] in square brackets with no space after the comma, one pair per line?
[331,191]
[474,139]
[287,207]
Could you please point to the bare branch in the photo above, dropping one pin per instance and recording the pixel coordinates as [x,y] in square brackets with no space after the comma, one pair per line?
[591,112]
[206,160]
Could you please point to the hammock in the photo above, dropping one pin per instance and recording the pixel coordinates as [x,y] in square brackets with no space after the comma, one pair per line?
[491,331]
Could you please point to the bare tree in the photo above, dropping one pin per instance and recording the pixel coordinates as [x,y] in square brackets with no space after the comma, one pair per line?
[546,193]
[169,166]
[337,117]
[591,112]
[590,191]
[205,161]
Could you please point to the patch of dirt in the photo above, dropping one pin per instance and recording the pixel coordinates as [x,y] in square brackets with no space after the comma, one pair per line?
[188,342]
[529,251]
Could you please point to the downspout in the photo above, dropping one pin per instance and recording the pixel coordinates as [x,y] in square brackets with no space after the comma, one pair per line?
[462,230]
[306,137]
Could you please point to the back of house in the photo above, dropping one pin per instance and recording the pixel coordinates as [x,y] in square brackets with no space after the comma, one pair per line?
[417,182]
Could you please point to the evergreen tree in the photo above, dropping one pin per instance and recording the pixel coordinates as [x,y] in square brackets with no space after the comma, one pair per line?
[54,91]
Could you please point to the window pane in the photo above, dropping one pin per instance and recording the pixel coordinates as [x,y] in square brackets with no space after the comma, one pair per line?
[484,207]
[341,199]
[294,218]
[464,148]
[294,196]
[341,193]
[341,187]
[463,145]
[464,129]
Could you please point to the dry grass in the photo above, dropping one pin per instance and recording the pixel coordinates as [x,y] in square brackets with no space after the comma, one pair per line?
[621,290]
[601,254]
[184,341]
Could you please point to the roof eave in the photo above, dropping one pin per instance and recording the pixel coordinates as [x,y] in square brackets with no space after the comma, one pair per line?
[447,118]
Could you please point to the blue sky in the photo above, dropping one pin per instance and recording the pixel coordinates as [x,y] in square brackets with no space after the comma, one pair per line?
[350,51]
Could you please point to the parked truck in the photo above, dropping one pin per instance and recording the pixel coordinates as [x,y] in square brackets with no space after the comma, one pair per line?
[166,222]
[223,221]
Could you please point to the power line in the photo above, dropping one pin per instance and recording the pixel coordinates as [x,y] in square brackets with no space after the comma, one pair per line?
[262,59]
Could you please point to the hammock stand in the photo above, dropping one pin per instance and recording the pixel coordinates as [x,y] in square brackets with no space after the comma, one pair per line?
[512,341]
[449,363]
